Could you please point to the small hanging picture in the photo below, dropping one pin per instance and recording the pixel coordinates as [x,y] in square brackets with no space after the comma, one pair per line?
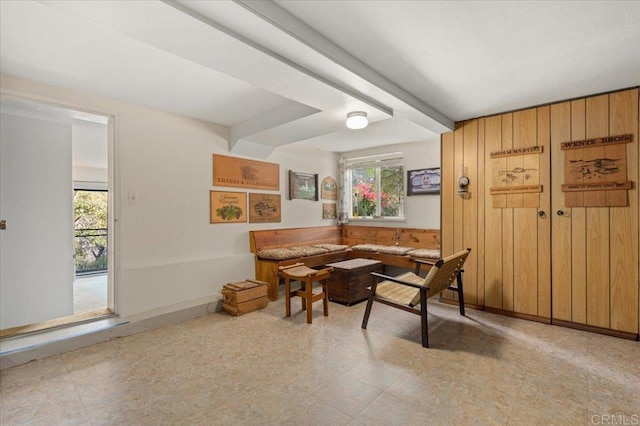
[329,189]
[329,211]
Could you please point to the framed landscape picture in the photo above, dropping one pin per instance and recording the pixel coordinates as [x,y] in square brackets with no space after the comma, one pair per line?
[303,186]
[228,207]
[423,181]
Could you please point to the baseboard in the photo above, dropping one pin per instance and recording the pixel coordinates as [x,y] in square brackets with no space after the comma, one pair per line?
[21,350]
[599,330]
[518,315]
[466,305]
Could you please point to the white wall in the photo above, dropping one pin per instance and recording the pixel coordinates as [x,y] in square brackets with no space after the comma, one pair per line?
[90,151]
[168,255]
[36,249]
[421,211]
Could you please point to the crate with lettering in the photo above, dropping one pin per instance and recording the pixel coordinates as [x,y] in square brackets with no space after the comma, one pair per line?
[243,297]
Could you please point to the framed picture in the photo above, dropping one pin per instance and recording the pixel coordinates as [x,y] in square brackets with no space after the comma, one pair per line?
[303,186]
[423,181]
[329,211]
[243,173]
[228,207]
[329,189]
[264,208]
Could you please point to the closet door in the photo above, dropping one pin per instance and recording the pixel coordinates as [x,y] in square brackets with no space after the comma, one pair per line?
[595,248]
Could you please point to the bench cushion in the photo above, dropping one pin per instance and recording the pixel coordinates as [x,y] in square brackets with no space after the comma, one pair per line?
[367,247]
[332,247]
[397,250]
[310,250]
[279,254]
[425,253]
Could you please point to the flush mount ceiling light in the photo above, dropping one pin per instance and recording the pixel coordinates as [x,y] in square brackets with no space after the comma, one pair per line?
[357,120]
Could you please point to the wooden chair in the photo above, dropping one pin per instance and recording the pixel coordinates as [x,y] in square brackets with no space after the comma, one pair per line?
[409,290]
[306,276]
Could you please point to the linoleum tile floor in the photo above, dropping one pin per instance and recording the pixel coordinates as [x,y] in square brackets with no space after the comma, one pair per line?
[264,369]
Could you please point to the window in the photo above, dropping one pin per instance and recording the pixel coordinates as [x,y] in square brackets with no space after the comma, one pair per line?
[377,186]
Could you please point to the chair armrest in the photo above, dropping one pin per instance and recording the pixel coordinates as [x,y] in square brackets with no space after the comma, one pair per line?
[395,280]
[420,262]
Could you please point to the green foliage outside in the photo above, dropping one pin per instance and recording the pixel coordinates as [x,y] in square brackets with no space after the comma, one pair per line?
[90,217]
[364,190]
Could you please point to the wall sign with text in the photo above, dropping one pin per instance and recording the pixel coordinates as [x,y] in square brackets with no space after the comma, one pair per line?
[595,172]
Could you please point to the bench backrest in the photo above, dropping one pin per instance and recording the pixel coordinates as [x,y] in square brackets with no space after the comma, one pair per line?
[292,237]
[387,236]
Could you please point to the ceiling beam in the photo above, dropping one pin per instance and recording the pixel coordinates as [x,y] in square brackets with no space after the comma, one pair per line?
[285,21]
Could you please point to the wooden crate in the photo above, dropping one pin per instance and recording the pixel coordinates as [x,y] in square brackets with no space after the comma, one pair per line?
[349,280]
[243,297]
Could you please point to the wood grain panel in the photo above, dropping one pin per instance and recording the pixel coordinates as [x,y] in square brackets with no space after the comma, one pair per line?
[470,213]
[623,119]
[597,124]
[525,226]
[480,194]
[578,118]
[544,223]
[493,218]
[447,189]
[507,225]
[561,243]
[458,205]
[578,218]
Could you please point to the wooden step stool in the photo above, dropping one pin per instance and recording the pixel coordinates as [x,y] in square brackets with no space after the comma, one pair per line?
[306,276]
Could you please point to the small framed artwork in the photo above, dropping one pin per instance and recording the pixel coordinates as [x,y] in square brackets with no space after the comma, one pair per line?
[264,208]
[423,181]
[329,189]
[303,186]
[329,211]
[228,207]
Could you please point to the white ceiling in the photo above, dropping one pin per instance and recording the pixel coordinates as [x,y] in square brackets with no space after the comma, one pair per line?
[289,71]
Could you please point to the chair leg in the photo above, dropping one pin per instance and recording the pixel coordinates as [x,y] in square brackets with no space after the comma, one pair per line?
[309,300]
[367,312]
[423,318]
[460,293]
[325,299]
[287,296]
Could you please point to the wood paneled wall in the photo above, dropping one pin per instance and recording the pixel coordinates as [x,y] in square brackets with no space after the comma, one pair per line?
[577,269]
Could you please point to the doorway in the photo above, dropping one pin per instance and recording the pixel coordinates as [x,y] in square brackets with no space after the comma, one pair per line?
[54,199]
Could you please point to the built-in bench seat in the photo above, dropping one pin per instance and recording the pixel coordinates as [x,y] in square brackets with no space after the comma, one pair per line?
[317,246]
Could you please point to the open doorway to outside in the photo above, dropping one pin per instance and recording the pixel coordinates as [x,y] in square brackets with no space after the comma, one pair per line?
[91,250]
[56,201]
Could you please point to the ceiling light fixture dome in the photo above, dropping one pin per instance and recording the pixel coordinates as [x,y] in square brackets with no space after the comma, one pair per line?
[357,120]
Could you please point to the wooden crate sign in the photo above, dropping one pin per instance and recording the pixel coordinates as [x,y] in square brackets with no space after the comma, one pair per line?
[516,171]
[228,207]
[243,173]
[598,167]
[265,208]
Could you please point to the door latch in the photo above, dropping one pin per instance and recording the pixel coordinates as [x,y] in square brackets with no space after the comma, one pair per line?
[3,224]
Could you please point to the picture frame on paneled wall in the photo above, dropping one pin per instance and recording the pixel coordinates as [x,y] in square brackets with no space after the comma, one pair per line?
[423,181]
[228,207]
[303,186]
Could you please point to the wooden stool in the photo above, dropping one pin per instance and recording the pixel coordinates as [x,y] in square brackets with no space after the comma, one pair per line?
[306,276]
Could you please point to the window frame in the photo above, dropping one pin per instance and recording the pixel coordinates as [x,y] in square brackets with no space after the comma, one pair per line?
[378,162]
